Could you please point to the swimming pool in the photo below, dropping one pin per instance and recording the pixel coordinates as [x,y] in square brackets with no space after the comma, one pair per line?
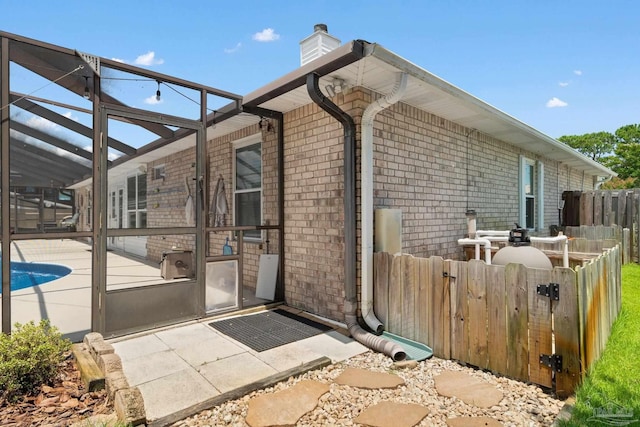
[28,274]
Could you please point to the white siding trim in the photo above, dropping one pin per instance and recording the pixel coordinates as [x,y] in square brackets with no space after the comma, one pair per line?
[522,217]
[540,195]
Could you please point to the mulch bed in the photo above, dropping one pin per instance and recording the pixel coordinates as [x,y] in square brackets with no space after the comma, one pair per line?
[62,404]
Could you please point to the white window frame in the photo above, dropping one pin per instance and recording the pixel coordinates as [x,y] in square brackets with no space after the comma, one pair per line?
[537,193]
[241,143]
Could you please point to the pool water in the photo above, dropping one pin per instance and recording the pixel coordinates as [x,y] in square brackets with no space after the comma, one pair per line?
[28,274]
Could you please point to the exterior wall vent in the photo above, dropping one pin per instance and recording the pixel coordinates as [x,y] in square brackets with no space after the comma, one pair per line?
[317,44]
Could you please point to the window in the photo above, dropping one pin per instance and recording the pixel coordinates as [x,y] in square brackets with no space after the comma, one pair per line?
[137,201]
[248,185]
[531,194]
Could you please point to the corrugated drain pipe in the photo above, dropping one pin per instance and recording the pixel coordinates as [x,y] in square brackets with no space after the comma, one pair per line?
[374,342]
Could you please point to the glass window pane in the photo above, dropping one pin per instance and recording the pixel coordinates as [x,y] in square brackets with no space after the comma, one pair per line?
[132,219]
[142,191]
[131,192]
[249,167]
[528,179]
[529,212]
[248,211]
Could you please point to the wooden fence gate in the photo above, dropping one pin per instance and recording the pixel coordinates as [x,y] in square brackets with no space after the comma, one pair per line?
[529,324]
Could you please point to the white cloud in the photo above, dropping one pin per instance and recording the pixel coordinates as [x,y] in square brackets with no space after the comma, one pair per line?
[152,100]
[41,123]
[148,58]
[577,72]
[563,84]
[266,35]
[119,60]
[69,115]
[555,102]
[234,49]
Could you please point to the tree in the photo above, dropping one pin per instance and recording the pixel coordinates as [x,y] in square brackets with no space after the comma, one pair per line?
[617,183]
[596,146]
[620,152]
[626,162]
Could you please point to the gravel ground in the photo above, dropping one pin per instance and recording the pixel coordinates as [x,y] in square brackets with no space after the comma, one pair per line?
[523,405]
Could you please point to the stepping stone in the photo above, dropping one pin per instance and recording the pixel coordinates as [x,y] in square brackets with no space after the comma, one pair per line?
[391,414]
[467,388]
[363,378]
[286,407]
[473,422]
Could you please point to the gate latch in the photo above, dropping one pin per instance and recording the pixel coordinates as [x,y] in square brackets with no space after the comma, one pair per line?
[553,361]
[552,290]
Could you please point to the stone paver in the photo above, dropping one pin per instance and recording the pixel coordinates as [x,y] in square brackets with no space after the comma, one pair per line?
[363,378]
[285,407]
[468,388]
[473,422]
[392,414]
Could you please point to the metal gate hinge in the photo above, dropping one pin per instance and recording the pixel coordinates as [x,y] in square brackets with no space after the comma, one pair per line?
[553,361]
[552,290]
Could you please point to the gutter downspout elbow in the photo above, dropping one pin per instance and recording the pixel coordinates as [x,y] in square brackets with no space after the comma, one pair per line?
[366,195]
[350,292]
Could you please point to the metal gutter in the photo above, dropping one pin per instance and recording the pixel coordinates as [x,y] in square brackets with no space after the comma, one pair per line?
[328,63]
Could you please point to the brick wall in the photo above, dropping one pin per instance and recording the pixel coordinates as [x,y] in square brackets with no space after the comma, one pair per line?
[421,168]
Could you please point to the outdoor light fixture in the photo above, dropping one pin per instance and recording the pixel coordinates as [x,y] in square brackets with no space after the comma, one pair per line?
[337,86]
[86,94]
[158,91]
[265,124]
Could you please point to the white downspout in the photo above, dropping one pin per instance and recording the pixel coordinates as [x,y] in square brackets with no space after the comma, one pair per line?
[366,189]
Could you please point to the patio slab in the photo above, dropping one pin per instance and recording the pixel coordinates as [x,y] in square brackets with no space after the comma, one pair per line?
[184,369]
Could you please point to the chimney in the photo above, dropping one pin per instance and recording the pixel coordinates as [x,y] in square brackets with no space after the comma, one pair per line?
[317,44]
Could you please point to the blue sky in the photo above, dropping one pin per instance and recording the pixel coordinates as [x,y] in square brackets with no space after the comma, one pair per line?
[563,67]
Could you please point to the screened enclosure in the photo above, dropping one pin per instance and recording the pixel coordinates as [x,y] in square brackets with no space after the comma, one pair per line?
[156,214]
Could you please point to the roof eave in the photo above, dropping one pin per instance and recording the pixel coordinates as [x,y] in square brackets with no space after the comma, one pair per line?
[385,55]
[328,63]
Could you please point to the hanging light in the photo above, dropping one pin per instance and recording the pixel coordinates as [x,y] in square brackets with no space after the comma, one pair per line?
[158,91]
[86,94]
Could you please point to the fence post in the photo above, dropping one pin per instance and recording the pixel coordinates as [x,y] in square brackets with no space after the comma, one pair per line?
[477,318]
[517,317]
[459,311]
[586,208]
[540,326]
[567,335]
[496,307]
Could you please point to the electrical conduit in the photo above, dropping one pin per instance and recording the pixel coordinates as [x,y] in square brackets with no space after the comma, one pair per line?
[374,342]
[366,194]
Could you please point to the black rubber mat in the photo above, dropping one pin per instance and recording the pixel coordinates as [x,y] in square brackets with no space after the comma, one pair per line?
[270,329]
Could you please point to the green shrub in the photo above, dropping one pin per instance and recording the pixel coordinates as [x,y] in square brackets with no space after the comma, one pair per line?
[30,357]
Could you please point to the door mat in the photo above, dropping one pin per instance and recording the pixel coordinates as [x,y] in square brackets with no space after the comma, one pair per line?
[270,329]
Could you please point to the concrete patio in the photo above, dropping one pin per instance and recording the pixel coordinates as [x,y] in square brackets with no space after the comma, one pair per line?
[184,369]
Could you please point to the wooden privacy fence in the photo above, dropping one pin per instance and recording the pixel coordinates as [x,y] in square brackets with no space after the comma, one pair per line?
[607,208]
[494,317]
